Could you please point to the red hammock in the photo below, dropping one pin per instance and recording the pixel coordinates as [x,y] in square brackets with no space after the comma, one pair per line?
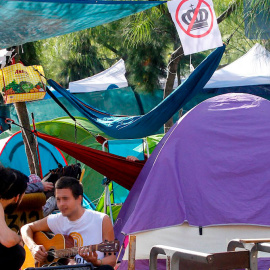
[114,167]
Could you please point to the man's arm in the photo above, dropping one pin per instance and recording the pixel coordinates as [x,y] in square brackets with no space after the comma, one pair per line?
[38,251]
[107,234]
[8,238]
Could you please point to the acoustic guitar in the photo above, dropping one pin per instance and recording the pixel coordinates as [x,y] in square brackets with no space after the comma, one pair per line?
[62,246]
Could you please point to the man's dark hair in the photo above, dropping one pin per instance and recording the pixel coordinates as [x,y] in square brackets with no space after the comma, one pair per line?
[72,183]
[12,183]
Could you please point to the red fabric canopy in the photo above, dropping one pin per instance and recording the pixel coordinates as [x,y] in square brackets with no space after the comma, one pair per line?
[114,167]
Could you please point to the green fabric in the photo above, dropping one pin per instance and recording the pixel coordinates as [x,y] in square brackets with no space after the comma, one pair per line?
[115,208]
[63,128]
[27,21]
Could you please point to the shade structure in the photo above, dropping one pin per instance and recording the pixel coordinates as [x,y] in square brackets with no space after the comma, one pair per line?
[253,68]
[27,21]
[113,77]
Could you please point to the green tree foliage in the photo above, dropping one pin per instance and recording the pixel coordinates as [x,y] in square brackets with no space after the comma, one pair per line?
[258,17]
[140,42]
[144,40]
[30,53]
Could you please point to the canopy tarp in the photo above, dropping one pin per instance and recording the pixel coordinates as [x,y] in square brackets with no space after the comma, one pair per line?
[27,21]
[253,68]
[131,127]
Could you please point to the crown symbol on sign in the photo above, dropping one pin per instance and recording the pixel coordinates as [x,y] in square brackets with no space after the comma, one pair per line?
[201,20]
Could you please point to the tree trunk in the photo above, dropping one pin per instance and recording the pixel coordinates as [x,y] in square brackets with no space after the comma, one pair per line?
[172,70]
[28,138]
[176,57]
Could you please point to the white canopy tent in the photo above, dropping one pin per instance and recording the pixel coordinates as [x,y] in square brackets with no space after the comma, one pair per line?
[108,79]
[253,68]
[113,77]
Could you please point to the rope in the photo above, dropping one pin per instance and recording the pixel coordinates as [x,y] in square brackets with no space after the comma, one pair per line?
[64,108]
[12,122]
[172,61]
[40,74]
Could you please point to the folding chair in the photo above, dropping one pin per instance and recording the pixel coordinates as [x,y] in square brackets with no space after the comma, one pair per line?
[124,148]
[188,260]
[253,246]
[191,260]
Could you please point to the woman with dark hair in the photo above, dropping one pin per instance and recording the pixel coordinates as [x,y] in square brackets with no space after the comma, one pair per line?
[12,187]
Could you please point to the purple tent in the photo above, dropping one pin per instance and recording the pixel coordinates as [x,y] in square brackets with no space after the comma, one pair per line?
[212,168]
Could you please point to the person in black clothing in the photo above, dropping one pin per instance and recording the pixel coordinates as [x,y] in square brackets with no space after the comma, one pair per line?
[12,187]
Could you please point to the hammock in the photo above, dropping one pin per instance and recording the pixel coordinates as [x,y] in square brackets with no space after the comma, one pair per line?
[131,127]
[114,167]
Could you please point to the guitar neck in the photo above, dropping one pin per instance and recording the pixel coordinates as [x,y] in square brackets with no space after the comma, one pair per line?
[71,252]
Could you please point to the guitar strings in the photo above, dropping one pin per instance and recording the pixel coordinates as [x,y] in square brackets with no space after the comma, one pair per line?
[68,252]
[55,252]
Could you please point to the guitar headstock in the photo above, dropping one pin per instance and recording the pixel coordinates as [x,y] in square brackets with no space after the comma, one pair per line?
[109,246]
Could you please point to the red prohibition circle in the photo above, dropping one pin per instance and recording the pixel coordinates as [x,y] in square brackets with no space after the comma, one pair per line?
[188,33]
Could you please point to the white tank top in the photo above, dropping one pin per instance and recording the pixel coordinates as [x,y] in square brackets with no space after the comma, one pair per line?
[87,230]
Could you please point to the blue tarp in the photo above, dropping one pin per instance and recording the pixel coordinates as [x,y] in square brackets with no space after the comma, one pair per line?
[131,127]
[27,21]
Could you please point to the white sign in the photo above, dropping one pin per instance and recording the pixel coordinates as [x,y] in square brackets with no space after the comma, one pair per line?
[196,24]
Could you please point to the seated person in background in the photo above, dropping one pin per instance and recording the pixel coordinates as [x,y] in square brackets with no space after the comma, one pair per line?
[35,184]
[131,158]
[12,187]
[90,227]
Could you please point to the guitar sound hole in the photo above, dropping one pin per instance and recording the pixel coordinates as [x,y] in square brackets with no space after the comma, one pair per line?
[50,257]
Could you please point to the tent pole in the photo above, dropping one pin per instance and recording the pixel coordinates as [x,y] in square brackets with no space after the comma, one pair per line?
[38,153]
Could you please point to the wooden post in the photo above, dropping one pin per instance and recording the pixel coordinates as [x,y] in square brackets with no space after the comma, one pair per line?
[168,263]
[28,138]
[131,252]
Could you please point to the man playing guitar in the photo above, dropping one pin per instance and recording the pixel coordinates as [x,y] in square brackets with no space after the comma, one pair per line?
[87,227]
